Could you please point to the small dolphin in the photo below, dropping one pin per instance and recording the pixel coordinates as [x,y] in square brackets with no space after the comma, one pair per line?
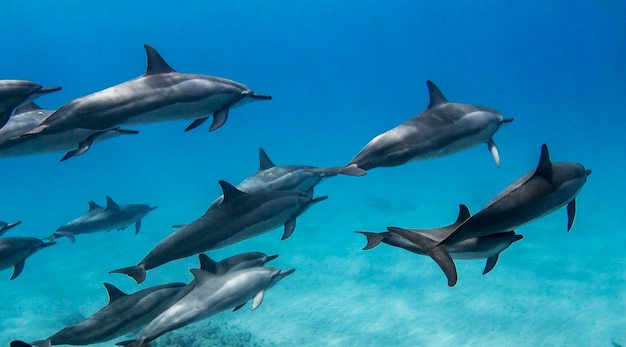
[25,118]
[123,314]
[295,178]
[417,241]
[99,218]
[539,192]
[161,94]
[239,217]
[211,294]
[441,129]
[16,93]
[15,250]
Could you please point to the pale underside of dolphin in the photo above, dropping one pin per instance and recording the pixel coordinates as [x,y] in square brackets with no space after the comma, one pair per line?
[443,128]
[14,143]
[161,94]
[17,93]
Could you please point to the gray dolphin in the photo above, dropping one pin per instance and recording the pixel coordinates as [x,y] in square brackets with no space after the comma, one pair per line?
[239,217]
[123,314]
[485,247]
[15,250]
[16,93]
[161,94]
[539,192]
[441,129]
[294,178]
[211,294]
[99,218]
[27,117]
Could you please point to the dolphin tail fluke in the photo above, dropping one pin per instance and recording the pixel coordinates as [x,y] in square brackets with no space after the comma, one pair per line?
[55,235]
[437,251]
[138,272]
[349,170]
[373,239]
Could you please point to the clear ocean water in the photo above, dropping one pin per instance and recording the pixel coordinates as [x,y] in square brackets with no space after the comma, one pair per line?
[339,73]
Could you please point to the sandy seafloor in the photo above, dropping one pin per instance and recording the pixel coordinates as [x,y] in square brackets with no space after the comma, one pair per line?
[339,75]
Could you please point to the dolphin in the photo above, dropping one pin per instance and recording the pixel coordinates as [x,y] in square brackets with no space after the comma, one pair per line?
[211,294]
[239,217]
[99,218]
[441,129]
[539,192]
[486,247]
[15,250]
[295,178]
[25,118]
[16,93]
[161,94]
[123,314]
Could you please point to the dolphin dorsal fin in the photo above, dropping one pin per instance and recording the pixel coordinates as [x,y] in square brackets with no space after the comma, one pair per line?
[114,292]
[544,168]
[230,192]
[201,276]
[93,205]
[112,205]
[207,264]
[464,214]
[31,106]
[264,161]
[156,63]
[436,97]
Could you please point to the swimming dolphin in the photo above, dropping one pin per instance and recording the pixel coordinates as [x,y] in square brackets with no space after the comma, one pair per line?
[441,129]
[211,294]
[239,217]
[15,250]
[123,314]
[25,118]
[16,93]
[486,247]
[539,192]
[99,218]
[293,178]
[161,94]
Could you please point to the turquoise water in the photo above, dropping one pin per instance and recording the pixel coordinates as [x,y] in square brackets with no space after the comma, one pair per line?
[339,73]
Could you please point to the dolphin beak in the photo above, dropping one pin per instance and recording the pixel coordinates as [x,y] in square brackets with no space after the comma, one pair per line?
[507,120]
[588,172]
[270,258]
[153,208]
[49,89]
[253,95]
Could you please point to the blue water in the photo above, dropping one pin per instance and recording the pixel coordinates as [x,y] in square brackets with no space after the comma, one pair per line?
[339,73]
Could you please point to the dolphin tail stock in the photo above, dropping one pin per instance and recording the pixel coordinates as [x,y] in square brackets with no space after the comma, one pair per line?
[373,239]
[348,170]
[437,251]
[137,272]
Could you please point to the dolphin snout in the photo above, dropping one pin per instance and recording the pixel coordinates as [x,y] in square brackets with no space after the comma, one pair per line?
[588,172]
[153,208]
[253,95]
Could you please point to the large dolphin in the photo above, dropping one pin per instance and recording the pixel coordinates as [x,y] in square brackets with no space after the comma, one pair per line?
[123,314]
[295,178]
[539,192]
[15,250]
[99,218]
[441,129]
[16,93]
[239,217]
[161,94]
[485,247]
[211,294]
[27,117]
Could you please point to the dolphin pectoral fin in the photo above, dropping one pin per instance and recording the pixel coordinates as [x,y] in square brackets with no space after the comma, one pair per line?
[17,270]
[137,227]
[491,263]
[207,264]
[257,300]
[196,123]
[239,307]
[290,226]
[494,151]
[4,117]
[571,214]
[138,273]
[121,228]
[373,239]
[219,118]
[18,343]
[67,234]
